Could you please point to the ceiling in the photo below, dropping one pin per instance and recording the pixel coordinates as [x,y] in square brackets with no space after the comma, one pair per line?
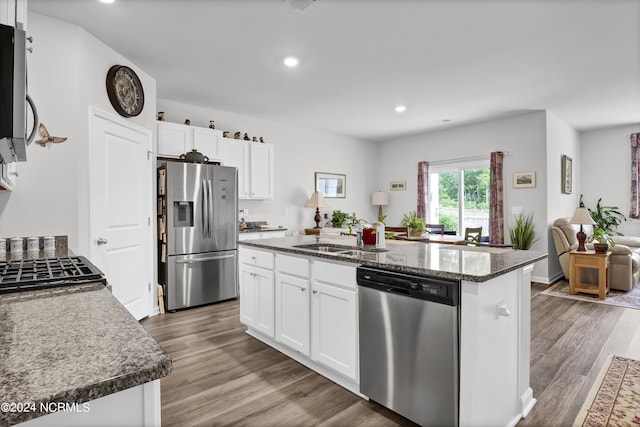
[451,62]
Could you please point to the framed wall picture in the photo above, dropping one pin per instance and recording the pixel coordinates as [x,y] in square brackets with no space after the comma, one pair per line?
[331,184]
[398,185]
[567,174]
[524,180]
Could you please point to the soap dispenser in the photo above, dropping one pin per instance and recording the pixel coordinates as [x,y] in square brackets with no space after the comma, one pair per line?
[380,232]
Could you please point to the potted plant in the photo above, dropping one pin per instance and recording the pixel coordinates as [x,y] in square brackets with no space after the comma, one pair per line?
[339,219]
[415,224]
[600,235]
[523,233]
[608,218]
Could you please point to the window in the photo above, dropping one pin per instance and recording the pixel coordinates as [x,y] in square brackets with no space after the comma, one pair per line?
[460,206]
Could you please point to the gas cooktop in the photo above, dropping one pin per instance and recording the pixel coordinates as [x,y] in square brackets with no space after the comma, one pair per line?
[32,274]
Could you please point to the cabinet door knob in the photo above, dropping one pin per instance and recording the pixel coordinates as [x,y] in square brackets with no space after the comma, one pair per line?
[101,241]
[14,173]
[502,310]
[315,292]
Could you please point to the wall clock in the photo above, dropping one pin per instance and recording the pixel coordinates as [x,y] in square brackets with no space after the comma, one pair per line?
[125,91]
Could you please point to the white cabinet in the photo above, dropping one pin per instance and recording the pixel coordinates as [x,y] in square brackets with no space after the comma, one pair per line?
[8,9]
[9,175]
[488,345]
[175,139]
[334,317]
[292,302]
[236,153]
[261,171]
[316,310]
[255,167]
[257,290]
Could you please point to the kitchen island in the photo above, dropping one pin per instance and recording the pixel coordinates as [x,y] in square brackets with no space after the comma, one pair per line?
[300,296]
[74,356]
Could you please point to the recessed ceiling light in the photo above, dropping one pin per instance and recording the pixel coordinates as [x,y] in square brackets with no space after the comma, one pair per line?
[401,108]
[291,61]
[107,1]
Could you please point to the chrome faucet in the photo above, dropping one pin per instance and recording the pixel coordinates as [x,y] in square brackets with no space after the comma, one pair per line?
[359,235]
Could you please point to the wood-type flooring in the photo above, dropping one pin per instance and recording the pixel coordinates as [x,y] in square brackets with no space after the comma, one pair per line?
[222,376]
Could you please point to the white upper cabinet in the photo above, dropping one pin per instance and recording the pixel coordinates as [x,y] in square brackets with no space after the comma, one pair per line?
[254,161]
[175,139]
[8,9]
[261,171]
[9,175]
[236,153]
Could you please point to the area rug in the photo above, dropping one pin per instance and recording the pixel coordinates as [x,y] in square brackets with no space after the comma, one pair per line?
[629,299]
[614,398]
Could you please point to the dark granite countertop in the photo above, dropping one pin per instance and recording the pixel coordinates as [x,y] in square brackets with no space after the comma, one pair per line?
[471,263]
[71,345]
[261,230]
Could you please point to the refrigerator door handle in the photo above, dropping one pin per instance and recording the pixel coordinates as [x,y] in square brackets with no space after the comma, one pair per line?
[212,258]
[210,205]
[205,208]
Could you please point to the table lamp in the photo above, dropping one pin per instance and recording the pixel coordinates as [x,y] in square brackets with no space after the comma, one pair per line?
[316,201]
[581,216]
[381,199]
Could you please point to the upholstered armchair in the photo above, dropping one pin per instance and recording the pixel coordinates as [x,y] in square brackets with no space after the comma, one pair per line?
[625,258]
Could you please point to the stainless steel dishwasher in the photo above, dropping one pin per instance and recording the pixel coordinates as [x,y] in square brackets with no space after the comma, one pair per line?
[409,344]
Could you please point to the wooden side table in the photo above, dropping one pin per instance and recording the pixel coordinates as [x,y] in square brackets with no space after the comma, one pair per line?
[589,259]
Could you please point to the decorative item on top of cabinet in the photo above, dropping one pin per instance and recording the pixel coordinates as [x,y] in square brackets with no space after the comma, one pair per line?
[254,139]
[161,116]
[187,122]
[225,134]
[261,140]
[48,138]
[246,137]
[211,124]
[236,135]
[194,156]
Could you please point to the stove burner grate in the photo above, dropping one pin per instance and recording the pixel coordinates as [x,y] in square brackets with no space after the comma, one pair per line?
[29,274]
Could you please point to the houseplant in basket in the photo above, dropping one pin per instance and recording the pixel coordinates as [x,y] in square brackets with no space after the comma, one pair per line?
[415,224]
[603,240]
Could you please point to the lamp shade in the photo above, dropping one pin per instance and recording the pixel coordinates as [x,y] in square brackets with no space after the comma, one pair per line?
[316,201]
[582,216]
[380,198]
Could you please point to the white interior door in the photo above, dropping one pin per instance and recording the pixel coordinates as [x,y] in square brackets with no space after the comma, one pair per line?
[120,209]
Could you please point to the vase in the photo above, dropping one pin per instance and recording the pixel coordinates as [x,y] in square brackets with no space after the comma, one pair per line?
[601,248]
[414,233]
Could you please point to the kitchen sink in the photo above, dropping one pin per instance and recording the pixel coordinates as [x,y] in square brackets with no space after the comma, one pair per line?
[339,249]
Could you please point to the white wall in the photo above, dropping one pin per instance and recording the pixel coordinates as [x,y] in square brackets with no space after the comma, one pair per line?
[522,136]
[561,139]
[606,171]
[67,72]
[298,153]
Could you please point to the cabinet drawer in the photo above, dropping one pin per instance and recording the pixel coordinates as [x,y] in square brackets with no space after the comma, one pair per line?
[255,257]
[338,274]
[292,265]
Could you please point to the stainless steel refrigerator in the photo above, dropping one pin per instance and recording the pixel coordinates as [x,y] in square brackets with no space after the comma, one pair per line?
[201,204]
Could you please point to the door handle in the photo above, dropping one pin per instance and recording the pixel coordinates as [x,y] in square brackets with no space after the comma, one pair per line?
[204,209]
[211,258]
[210,206]
[101,241]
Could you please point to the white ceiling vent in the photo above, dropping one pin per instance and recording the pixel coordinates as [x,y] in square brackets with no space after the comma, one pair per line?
[299,5]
